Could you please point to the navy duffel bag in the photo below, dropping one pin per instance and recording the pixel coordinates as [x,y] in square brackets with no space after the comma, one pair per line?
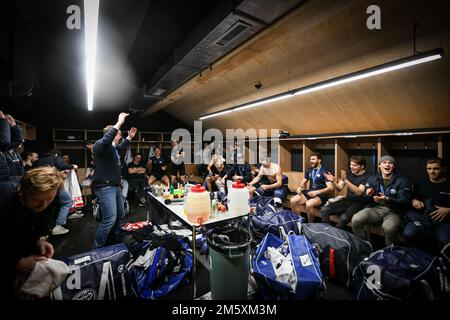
[263,205]
[101,274]
[400,273]
[272,275]
[277,223]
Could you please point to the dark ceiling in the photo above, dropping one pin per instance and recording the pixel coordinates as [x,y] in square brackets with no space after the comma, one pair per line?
[134,39]
[141,44]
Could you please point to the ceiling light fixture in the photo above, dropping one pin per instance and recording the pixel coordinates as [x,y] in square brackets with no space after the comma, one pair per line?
[215,114]
[384,68]
[90,44]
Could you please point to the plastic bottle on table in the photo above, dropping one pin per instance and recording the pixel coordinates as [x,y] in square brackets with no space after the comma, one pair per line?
[238,197]
[213,208]
[198,205]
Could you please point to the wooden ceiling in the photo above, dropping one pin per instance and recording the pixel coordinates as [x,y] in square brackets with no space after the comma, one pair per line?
[318,41]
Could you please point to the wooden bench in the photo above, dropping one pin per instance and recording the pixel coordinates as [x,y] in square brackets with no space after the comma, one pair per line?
[377,230]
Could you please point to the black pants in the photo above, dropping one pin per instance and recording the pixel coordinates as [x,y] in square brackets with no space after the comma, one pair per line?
[137,188]
[424,233]
[202,170]
[345,207]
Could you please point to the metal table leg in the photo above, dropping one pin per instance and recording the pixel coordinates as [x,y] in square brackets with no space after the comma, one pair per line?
[148,206]
[194,260]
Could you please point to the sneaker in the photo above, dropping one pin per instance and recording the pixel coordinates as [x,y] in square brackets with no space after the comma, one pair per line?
[58,230]
[75,215]
[278,203]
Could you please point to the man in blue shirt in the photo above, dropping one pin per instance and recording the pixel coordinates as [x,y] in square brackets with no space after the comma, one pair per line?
[319,187]
[107,176]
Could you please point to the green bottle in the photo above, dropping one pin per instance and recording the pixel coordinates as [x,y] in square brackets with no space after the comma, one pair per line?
[171,189]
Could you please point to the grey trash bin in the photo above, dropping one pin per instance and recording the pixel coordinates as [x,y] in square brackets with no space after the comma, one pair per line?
[229,252]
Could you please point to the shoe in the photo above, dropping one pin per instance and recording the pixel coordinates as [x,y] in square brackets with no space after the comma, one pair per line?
[278,203]
[58,230]
[75,215]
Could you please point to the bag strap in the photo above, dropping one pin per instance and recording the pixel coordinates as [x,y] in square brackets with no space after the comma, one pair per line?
[283,235]
[332,253]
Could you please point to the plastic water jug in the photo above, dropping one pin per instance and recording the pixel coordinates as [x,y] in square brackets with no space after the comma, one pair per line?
[238,197]
[197,205]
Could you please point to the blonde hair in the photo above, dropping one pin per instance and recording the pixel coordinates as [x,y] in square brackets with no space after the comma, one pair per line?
[41,179]
[107,128]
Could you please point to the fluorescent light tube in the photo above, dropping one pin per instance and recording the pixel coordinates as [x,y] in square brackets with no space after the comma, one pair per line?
[262,101]
[215,114]
[387,67]
[90,42]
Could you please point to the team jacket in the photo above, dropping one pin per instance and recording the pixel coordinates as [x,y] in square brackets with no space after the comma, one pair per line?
[398,190]
[107,160]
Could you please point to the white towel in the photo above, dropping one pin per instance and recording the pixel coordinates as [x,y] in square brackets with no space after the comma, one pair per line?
[282,266]
[46,276]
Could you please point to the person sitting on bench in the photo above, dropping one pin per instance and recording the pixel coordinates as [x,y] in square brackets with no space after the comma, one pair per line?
[269,182]
[389,196]
[159,169]
[354,200]
[136,178]
[319,188]
[216,170]
[241,171]
[177,167]
[428,223]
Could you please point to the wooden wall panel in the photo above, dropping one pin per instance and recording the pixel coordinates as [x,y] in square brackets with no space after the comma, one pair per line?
[294,179]
[382,149]
[307,151]
[340,158]
[340,163]
[319,41]
[284,155]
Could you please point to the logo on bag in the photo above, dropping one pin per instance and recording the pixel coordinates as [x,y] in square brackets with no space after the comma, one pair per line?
[393,191]
[86,294]
[305,260]
[374,278]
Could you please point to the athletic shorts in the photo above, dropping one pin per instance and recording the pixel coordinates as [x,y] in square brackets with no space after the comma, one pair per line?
[323,197]
[177,168]
[158,175]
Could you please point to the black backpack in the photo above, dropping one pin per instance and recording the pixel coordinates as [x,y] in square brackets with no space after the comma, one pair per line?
[339,251]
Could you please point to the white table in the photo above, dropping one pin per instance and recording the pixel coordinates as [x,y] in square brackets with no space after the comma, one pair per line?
[177,209]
